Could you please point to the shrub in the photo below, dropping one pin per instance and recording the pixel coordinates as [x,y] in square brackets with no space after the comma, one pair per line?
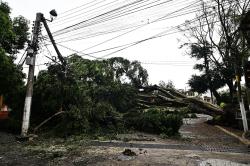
[155,121]
[222,105]
[228,118]
[193,115]
[104,115]
[10,125]
[247,135]
[98,119]
[75,121]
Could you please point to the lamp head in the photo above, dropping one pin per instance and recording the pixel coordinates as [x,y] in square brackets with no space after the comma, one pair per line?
[53,13]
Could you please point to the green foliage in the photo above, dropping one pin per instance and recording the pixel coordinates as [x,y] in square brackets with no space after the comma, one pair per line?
[93,93]
[225,97]
[247,135]
[7,35]
[169,84]
[13,33]
[193,115]
[11,84]
[10,76]
[13,37]
[218,45]
[198,83]
[20,29]
[223,105]
[104,114]
[77,120]
[200,50]
[228,118]
[155,121]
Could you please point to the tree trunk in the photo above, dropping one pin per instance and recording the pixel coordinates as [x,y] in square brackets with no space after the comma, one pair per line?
[48,119]
[217,96]
[173,98]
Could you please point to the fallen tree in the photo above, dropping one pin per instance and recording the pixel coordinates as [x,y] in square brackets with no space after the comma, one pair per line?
[156,96]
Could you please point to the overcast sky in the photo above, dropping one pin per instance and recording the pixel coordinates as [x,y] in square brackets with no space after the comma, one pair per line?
[160,56]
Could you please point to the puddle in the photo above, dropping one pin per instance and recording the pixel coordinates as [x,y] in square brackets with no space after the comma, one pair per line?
[219,162]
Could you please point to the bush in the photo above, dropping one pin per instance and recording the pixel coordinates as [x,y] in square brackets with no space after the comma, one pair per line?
[228,118]
[74,121]
[99,119]
[104,115]
[247,135]
[11,125]
[193,115]
[222,105]
[155,121]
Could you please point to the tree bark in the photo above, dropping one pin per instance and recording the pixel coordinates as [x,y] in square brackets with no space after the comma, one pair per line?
[48,119]
[177,100]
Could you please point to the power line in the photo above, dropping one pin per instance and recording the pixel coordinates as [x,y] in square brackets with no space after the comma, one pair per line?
[179,3]
[77,16]
[74,29]
[134,43]
[89,24]
[83,54]
[67,11]
[21,61]
[133,29]
[118,29]
[101,19]
[42,64]
[100,15]
[60,40]
[161,34]
[128,45]
[141,41]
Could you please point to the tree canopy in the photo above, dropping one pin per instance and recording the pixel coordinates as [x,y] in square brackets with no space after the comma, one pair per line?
[13,37]
[14,33]
[215,39]
[93,90]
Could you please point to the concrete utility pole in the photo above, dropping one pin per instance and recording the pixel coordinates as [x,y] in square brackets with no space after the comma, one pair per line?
[31,58]
[245,29]
[241,102]
[59,55]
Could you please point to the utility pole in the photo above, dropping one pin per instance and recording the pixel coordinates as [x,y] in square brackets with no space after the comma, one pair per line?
[59,55]
[241,102]
[245,28]
[31,57]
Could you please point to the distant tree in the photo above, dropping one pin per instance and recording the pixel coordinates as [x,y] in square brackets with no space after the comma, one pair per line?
[169,84]
[21,31]
[216,30]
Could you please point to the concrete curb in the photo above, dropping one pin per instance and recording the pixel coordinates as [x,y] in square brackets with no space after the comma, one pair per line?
[241,139]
